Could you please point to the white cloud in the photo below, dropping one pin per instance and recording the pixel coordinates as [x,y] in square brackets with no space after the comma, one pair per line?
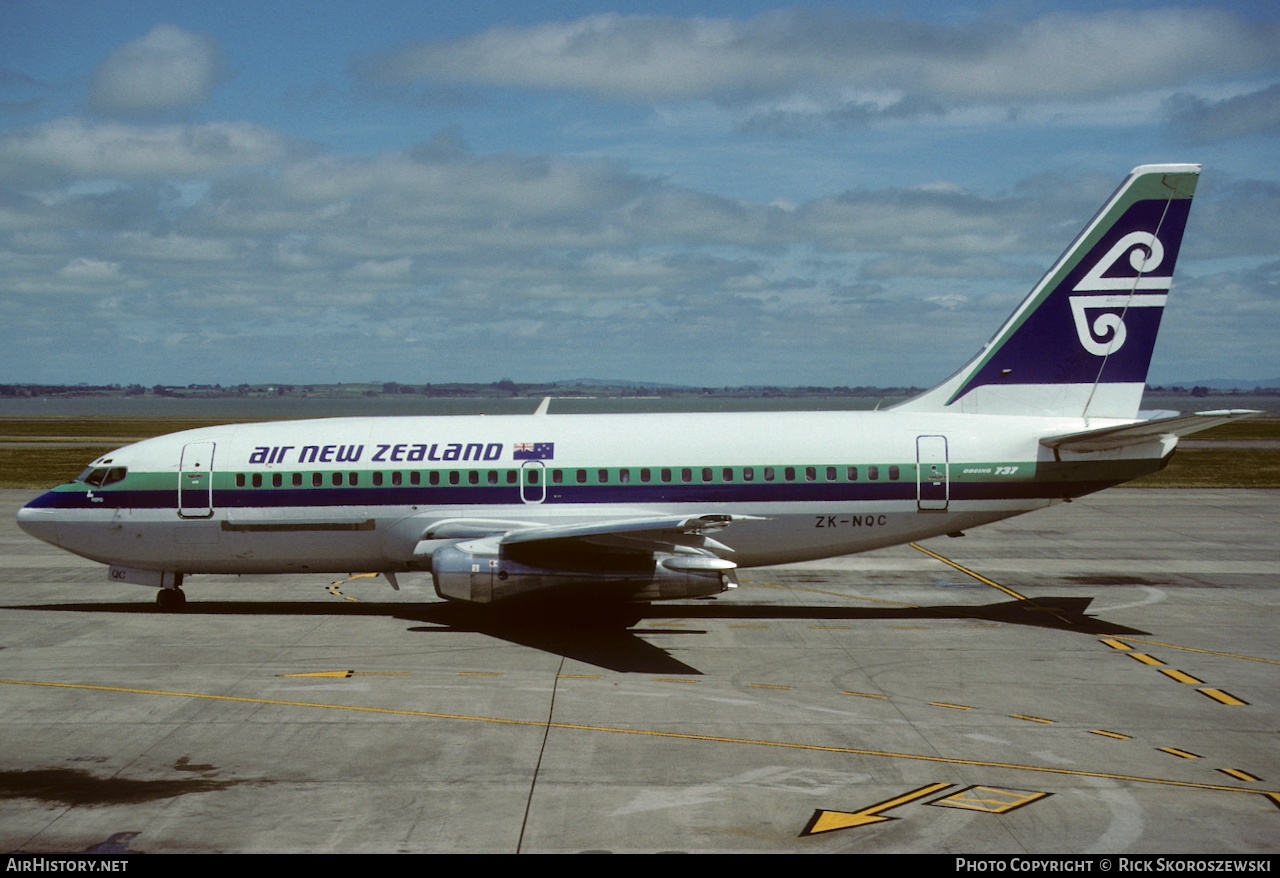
[75,148]
[661,59]
[168,69]
[539,255]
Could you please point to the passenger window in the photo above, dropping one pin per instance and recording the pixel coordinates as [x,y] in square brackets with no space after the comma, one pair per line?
[239,480]
[789,474]
[748,474]
[397,479]
[277,480]
[666,475]
[893,473]
[336,478]
[706,473]
[453,477]
[257,480]
[810,474]
[602,476]
[353,479]
[851,474]
[557,476]
[582,477]
[377,480]
[873,473]
[768,474]
[726,475]
[686,475]
[433,477]
[831,474]
[317,479]
[645,475]
[297,480]
[493,477]
[624,476]
[473,478]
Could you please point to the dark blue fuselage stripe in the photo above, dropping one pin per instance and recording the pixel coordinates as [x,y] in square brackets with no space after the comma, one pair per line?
[510,495]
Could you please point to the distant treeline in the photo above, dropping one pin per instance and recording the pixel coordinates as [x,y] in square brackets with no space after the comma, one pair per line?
[507,389]
[496,389]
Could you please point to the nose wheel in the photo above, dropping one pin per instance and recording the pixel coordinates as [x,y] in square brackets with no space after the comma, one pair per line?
[171,600]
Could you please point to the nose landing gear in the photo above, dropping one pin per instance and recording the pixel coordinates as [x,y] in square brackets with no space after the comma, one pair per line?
[171,598]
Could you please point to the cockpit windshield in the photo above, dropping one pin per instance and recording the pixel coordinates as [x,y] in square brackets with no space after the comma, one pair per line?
[101,476]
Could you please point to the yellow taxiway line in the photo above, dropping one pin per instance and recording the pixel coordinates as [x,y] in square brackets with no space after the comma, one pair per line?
[1273,795]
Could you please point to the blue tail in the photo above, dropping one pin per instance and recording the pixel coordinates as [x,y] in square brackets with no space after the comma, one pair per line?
[1080,344]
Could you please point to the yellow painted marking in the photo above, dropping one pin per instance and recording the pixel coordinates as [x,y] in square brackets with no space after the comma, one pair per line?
[1033,719]
[1273,795]
[1180,676]
[1144,658]
[1106,734]
[332,589]
[1248,658]
[578,676]
[1116,644]
[1239,775]
[968,572]
[991,800]
[671,680]
[479,674]
[1223,697]
[766,686]
[349,674]
[1174,751]
[864,695]
[826,821]
[952,706]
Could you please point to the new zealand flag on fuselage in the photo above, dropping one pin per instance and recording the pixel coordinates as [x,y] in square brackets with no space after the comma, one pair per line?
[534,451]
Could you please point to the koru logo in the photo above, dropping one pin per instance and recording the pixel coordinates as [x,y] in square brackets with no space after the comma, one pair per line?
[1106,335]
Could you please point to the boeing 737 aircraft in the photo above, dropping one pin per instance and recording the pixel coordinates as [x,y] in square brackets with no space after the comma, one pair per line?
[650,506]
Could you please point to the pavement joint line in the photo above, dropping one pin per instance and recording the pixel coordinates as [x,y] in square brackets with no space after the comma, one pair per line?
[834,594]
[1272,795]
[968,572]
[1248,658]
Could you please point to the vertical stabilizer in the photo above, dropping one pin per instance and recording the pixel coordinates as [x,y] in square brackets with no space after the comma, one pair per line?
[1080,344]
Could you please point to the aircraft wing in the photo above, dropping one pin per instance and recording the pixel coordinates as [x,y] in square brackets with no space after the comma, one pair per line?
[657,534]
[1173,425]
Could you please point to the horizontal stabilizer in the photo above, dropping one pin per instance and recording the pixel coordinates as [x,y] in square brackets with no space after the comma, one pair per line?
[1107,438]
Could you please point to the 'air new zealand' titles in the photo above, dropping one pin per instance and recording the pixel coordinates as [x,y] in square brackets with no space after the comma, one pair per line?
[645,507]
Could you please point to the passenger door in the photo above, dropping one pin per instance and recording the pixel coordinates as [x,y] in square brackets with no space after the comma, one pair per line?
[195,480]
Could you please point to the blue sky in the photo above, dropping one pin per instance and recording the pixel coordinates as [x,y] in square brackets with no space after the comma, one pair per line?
[691,193]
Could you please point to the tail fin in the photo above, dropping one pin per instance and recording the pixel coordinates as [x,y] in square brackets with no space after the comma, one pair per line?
[1080,344]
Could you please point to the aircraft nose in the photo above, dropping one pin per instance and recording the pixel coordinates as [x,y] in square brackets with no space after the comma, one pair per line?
[40,523]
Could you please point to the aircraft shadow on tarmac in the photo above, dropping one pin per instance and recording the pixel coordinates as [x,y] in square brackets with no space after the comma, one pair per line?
[605,636]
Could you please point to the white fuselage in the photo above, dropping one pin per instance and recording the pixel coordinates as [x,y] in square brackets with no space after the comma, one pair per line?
[368,494]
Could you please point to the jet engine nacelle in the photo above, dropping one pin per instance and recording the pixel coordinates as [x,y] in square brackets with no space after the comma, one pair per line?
[476,573]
